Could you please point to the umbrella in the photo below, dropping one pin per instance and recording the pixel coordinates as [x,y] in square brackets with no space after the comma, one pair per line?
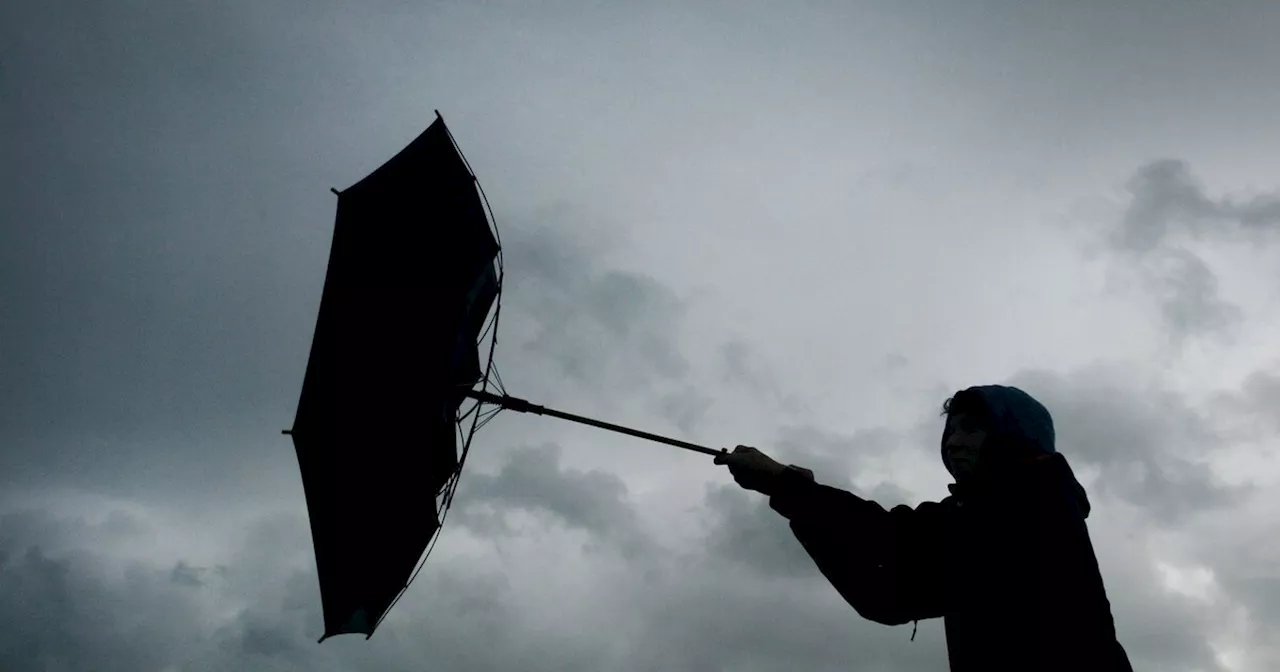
[394,389]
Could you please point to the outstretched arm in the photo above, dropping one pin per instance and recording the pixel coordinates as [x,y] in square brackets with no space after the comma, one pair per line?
[888,565]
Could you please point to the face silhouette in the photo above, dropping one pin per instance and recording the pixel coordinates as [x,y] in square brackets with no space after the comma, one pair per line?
[964,444]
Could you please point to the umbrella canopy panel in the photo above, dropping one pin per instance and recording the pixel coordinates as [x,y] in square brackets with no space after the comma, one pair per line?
[410,281]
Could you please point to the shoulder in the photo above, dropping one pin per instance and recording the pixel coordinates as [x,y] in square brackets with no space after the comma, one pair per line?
[1047,484]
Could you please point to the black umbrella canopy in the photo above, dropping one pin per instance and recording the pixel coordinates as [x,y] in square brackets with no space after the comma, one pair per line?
[414,271]
[410,282]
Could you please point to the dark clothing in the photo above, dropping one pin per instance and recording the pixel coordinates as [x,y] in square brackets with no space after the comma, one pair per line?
[1006,561]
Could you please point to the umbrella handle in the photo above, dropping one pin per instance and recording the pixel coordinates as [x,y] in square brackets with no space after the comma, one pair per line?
[522,406]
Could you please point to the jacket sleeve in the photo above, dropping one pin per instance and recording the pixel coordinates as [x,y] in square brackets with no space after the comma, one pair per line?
[886,564]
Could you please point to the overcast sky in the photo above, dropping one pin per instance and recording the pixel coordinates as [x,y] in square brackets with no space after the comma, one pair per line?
[796,225]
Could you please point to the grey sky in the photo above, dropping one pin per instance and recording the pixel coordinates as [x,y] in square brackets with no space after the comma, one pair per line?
[799,228]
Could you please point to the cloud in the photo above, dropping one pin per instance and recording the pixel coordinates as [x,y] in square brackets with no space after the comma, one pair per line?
[1167,214]
[1235,550]
[743,595]
[1189,297]
[740,365]
[686,407]
[1146,454]
[721,617]
[1159,628]
[743,530]
[1167,203]
[1256,405]
[1153,449]
[74,608]
[533,480]
[616,336]
[1159,503]
[592,335]
[600,326]
[164,238]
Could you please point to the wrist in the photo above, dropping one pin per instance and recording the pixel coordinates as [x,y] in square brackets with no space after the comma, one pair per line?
[791,488]
[786,473]
[793,470]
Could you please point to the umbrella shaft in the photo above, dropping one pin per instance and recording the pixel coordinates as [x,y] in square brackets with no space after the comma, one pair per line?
[522,406]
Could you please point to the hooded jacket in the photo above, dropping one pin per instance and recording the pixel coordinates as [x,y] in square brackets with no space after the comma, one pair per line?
[1005,560]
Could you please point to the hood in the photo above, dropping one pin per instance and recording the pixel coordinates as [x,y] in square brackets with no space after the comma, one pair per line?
[1019,425]
[1017,419]
[1021,432]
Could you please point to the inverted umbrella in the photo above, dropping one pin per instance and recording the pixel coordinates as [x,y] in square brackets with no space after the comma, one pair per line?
[394,385]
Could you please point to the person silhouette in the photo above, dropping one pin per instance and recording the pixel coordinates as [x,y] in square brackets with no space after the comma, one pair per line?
[1005,560]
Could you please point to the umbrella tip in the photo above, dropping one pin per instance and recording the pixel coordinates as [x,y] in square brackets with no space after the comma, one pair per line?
[335,191]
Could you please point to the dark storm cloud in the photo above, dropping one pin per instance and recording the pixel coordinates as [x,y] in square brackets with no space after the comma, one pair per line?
[1188,292]
[839,456]
[78,608]
[1257,404]
[162,247]
[55,615]
[66,605]
[1146,446]
[534,480]
[1167,203]
[69,605]
[1161,630]
[1152,447]
[720,617]
[606,332]
[1249,578]
[1239,548]
[748,598]
[1167,211]
[74,608]
[595,323]
[686,407]
[743,530]
[740,365]
[83,608]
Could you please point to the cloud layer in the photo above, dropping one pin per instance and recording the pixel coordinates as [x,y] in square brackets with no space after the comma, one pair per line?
[795,229]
